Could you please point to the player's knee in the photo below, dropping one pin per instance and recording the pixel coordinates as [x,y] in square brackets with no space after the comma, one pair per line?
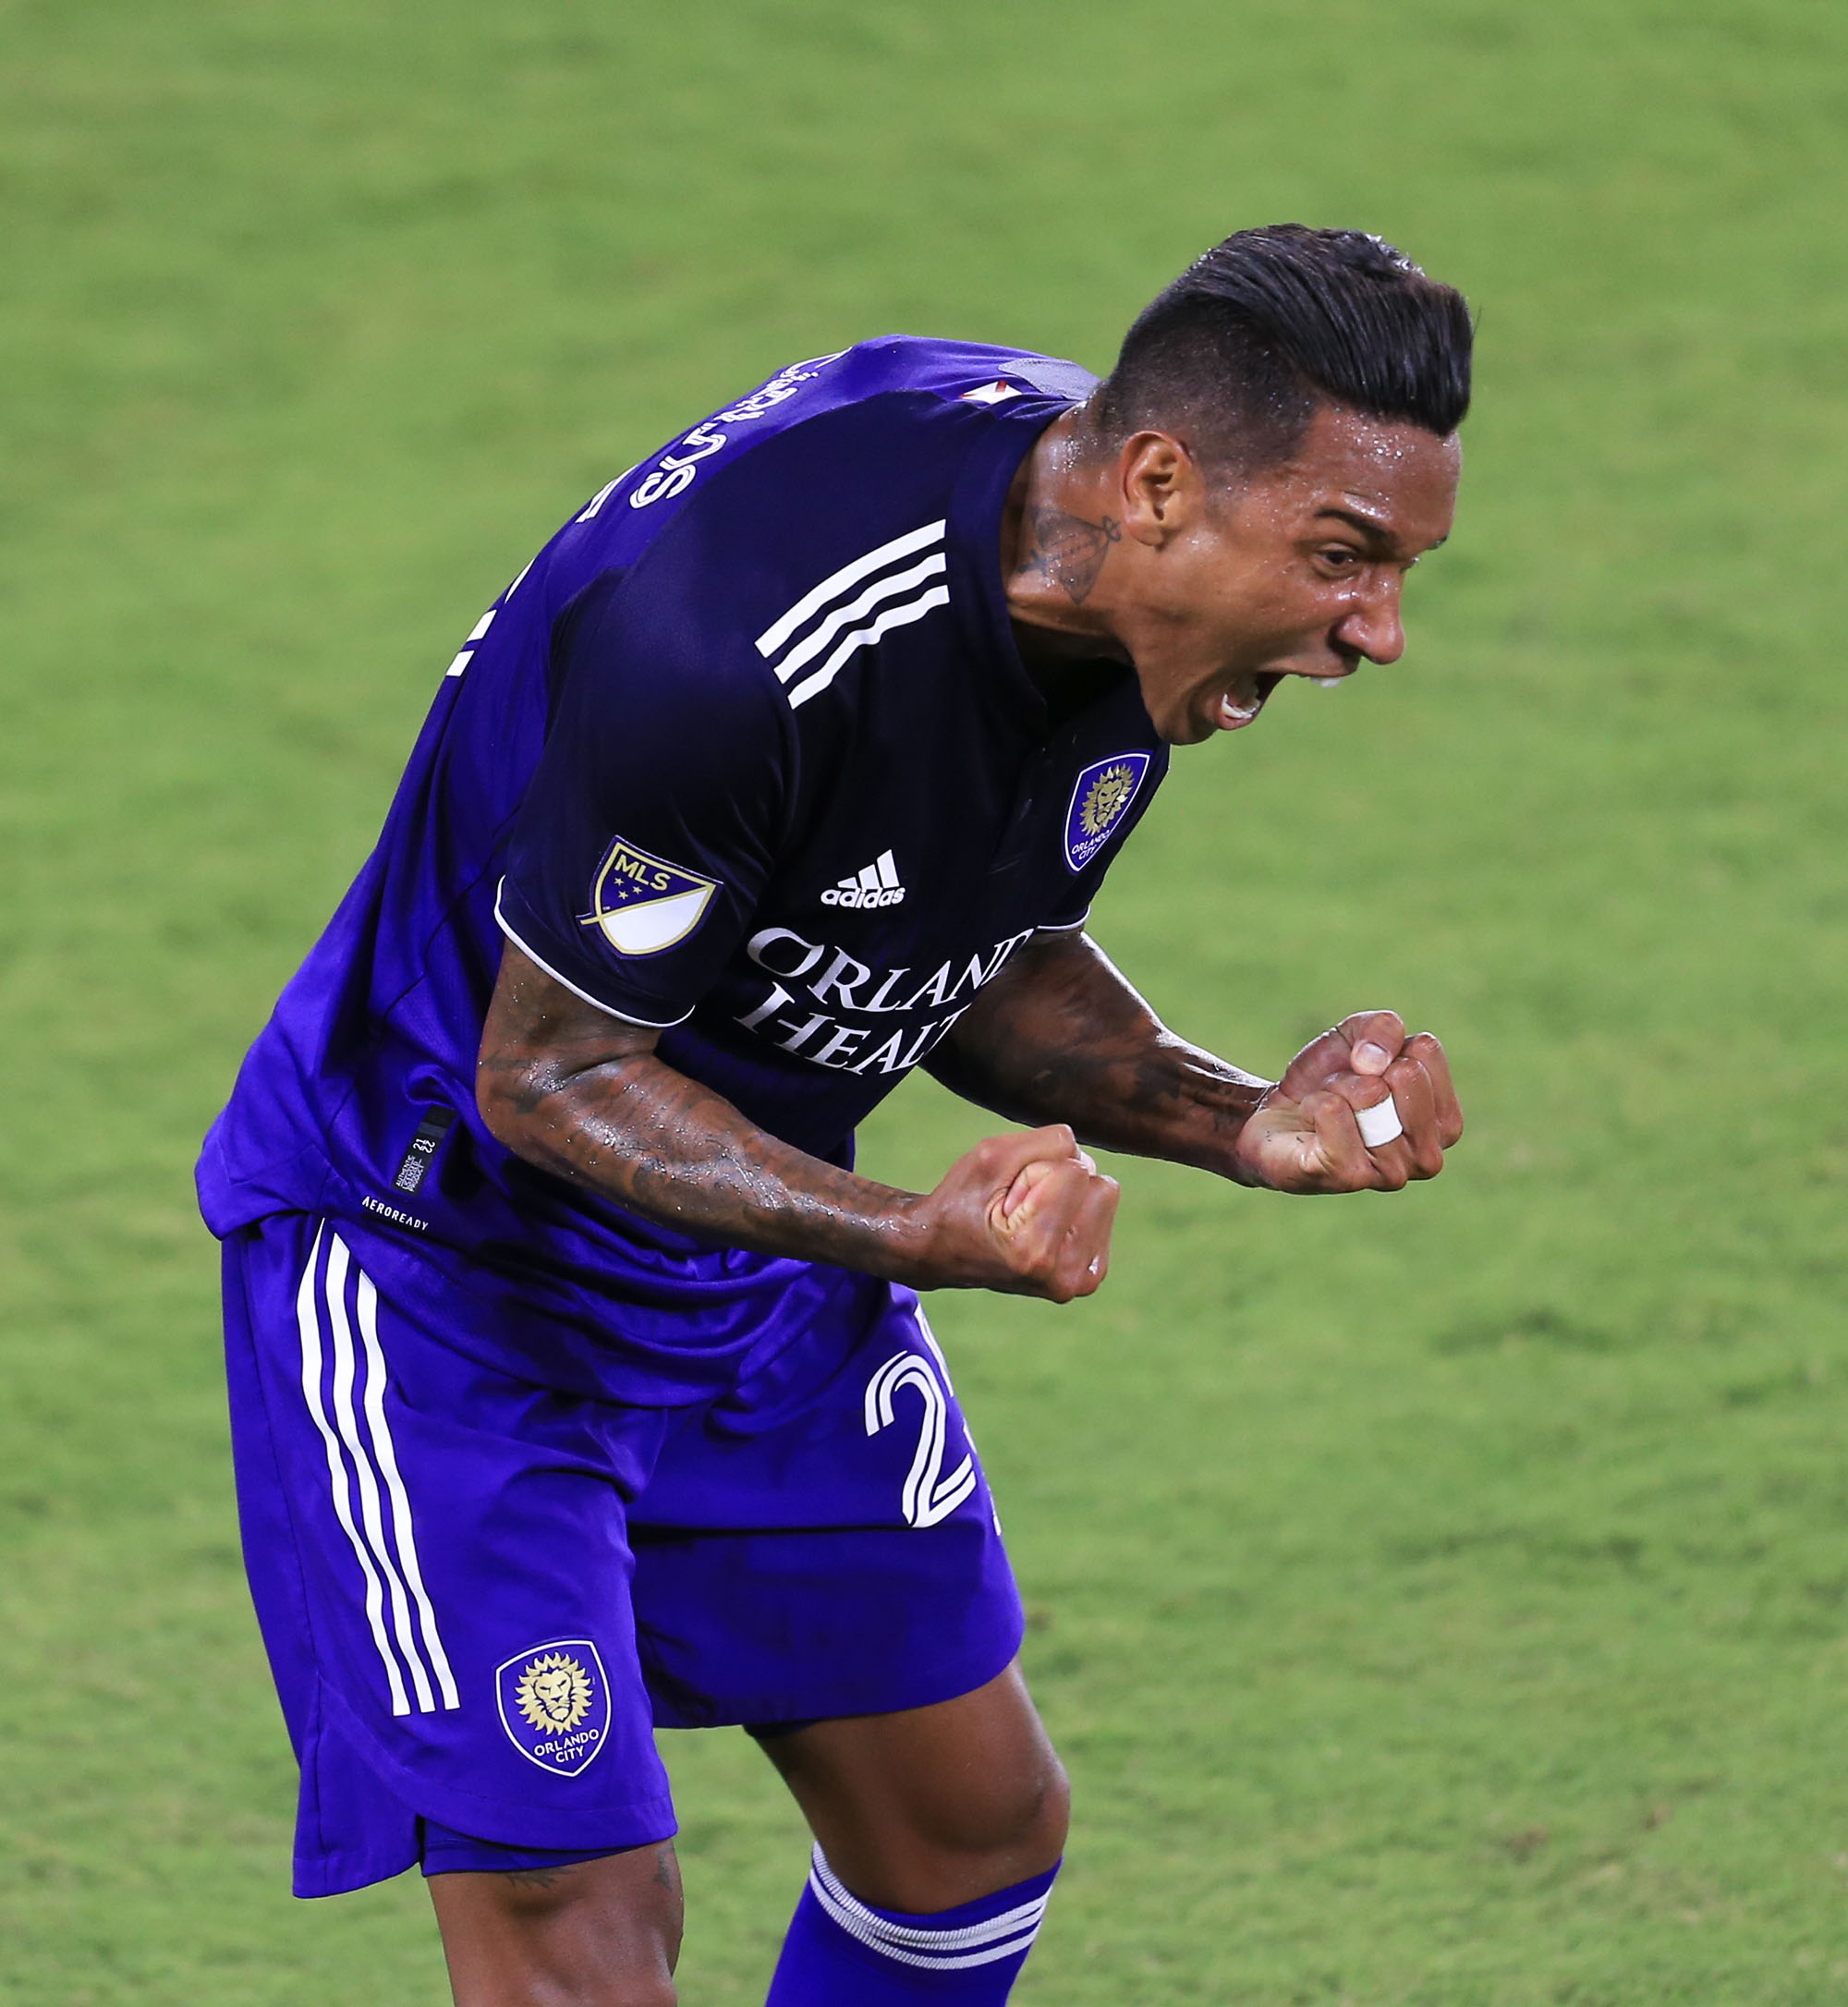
[1021,1817]
[1049,1818]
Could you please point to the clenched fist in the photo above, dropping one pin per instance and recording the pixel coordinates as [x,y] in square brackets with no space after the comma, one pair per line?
[1029,1214]
[1301,1137]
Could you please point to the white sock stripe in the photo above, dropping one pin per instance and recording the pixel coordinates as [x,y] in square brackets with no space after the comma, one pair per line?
[888,588]
[309,1324]
[346,1368]
[969,1933]
[863,1930]
[385,1450]
[853,1914]
[898,617]
[835,583]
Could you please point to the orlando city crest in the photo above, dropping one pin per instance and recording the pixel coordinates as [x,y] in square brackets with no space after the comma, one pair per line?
[555,1704]
[1100,797]
[643,903]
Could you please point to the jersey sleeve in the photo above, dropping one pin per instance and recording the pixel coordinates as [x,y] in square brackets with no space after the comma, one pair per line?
[656,810]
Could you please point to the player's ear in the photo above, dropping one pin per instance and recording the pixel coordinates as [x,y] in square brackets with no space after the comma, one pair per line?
[1162,487]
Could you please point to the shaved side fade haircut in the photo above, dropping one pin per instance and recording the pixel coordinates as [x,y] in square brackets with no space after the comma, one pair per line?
[1236,356]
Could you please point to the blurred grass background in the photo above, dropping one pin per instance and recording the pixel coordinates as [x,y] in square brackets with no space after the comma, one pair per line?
[1443,1599]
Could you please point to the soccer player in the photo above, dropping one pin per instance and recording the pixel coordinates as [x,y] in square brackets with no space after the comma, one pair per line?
[578,1382]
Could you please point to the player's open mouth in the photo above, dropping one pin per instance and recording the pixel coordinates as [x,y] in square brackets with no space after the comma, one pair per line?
[1244,700]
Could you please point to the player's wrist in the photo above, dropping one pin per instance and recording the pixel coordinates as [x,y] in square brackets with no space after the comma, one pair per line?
[905,1243]
[943,1240]
[1244,1159]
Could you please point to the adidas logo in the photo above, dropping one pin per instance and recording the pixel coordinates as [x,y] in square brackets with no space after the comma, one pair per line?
[877,885]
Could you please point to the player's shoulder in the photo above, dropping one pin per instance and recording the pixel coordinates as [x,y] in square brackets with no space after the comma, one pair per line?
[949,373]
[902,412]
[856,502]
[891,413]
[758,533]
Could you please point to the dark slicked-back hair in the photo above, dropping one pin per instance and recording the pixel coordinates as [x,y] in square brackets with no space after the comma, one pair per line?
[1237,354]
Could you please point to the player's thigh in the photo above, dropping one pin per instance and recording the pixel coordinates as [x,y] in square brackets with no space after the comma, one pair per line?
[821,1543]
[603,1933]
[929,1807]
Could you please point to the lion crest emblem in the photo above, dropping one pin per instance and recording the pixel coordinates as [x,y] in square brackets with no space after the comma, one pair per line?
[1101,798]
[554,1703]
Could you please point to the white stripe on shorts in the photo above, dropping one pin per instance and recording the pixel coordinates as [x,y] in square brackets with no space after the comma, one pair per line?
[307,1317]
[386,1452]
[365,1434]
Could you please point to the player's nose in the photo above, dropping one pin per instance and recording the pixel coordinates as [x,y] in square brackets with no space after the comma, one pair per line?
[1373,628]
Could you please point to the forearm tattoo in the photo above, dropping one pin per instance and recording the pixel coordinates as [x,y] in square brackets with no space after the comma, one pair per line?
[1066,551]
[584,1097]
[1060,1037]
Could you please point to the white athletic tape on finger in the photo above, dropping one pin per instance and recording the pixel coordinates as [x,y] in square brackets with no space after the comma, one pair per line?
[1379,1124]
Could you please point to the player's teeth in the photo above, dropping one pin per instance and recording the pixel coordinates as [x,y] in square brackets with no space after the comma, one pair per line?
[1328,683]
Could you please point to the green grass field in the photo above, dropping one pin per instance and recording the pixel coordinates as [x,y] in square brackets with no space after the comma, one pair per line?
[1438,1601]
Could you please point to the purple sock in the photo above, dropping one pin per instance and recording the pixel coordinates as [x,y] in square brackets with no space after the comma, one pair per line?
[842,1952]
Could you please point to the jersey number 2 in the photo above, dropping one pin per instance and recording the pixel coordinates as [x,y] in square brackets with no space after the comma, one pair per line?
[929,1495]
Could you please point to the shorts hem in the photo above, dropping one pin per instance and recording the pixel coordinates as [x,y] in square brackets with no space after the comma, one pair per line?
[455,1858]
[315,1875]
[836,1703]
[510,1821]
[645,1822]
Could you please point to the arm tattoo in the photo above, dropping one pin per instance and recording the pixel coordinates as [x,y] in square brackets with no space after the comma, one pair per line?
[1068,552]
[583,1095]
[1060,1037]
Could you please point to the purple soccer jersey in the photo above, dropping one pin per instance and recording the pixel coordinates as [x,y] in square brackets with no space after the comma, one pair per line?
[747,752]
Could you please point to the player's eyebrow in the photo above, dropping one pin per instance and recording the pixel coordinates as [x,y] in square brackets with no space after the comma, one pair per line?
[1370,526]
[1375,532]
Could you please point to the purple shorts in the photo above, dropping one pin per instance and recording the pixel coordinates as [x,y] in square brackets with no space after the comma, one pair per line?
[480,1596]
